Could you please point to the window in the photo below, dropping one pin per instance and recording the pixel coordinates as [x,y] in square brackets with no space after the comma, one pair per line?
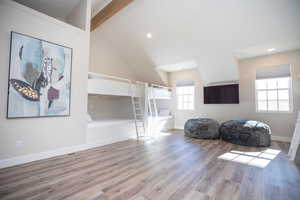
[273,95]
[185,97]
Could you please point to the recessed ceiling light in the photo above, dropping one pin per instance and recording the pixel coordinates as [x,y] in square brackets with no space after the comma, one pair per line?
[149,35]
[271,49]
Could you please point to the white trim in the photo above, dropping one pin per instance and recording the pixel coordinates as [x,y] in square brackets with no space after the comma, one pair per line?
[295,140]
[179,127]
[281,138]
[109,122]
[52,153]
[188,102]
[290,91]
[93,75]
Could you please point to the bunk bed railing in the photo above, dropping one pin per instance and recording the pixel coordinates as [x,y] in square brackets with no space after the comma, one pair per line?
[136,103]
[100,83]
[105,76]
[160,86]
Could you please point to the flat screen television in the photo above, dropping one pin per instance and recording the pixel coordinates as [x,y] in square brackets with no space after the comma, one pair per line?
[222,94]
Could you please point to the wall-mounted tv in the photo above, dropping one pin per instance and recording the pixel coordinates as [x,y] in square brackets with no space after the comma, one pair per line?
[222,94]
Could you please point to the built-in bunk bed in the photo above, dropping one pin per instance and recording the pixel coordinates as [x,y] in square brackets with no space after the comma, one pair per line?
[110,112]
[159,113]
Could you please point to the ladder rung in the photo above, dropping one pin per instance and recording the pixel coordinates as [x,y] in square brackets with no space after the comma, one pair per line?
[139,115]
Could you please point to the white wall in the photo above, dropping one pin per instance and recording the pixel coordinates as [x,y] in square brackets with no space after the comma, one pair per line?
[105,59]
[282,124]
[109,107]
[79,17]
[201,110]
[164,76]
[42,134]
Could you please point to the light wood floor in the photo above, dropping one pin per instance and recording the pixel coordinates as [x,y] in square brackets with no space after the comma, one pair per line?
[169,167]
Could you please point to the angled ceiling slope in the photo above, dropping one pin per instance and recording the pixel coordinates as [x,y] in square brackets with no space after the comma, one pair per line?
[55,8]
[211,32]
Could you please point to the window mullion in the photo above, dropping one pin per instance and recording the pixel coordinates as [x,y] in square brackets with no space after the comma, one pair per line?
[284,105]
[267,97]
[277,96]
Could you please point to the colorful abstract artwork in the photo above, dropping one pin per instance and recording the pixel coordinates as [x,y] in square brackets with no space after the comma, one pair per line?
[39,78]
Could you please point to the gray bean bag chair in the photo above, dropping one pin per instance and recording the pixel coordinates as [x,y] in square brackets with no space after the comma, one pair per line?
[246,132]
[202,128]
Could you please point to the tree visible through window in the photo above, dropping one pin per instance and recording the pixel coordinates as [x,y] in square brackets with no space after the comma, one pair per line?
[185,97]
[273,94]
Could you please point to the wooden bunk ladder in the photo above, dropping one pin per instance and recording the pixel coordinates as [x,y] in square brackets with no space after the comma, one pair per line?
[152,104]
[139,116]
[153,113]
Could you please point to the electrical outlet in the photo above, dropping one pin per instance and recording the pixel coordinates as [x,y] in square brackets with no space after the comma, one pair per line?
[19,143]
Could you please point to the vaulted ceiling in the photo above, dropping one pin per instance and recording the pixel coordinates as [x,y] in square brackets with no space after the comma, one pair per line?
[211,33]
[55,8]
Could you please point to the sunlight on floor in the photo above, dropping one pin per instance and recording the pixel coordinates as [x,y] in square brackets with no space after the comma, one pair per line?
[153,136]
[156,127]
[258,159]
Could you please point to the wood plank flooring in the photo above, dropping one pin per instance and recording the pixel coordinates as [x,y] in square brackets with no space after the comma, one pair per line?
[169,167]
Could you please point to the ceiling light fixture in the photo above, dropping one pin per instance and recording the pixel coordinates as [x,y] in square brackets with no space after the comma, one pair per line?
[271,49]
[149,35]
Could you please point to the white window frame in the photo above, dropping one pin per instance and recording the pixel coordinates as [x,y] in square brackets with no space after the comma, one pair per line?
[193,97]
[290,91]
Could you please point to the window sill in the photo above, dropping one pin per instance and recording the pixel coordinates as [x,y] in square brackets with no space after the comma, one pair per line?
[275,112]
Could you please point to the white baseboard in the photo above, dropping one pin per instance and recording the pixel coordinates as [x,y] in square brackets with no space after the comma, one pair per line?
[281,138]
[179,127]
[49,154]
[52,153]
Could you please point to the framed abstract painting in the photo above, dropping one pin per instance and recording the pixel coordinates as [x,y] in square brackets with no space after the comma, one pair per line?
[39,78]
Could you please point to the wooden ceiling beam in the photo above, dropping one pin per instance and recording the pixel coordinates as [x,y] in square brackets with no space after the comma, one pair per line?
[107,12]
